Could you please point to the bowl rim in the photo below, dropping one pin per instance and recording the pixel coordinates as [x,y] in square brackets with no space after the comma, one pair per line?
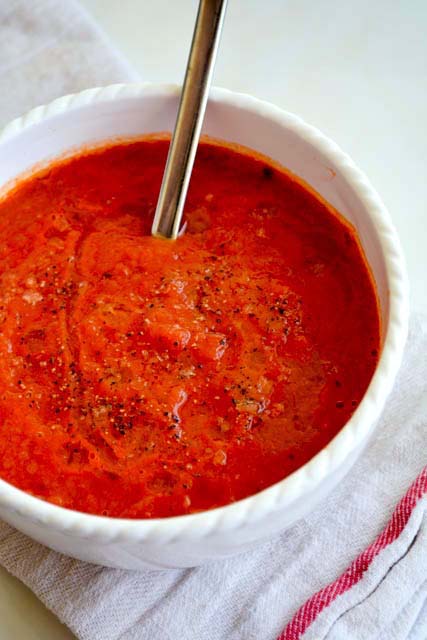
[305,479]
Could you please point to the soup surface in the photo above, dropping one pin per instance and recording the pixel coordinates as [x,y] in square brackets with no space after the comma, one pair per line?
[146,378]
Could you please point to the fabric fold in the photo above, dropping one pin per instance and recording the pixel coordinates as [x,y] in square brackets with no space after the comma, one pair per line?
[49,48]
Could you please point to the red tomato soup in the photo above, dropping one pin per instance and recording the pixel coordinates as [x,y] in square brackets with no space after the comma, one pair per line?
[146,378]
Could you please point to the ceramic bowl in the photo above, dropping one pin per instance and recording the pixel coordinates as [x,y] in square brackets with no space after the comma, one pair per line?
[124,111]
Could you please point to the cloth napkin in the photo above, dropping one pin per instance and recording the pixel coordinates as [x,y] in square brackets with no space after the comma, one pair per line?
[355,568]
[49,48]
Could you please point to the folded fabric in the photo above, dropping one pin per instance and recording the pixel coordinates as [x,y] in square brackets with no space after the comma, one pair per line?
[383,594]
[49,48]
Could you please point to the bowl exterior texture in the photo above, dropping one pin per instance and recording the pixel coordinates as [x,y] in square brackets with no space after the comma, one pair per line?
[124,111]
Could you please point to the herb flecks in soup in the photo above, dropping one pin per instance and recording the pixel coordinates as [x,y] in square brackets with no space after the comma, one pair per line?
[147,378]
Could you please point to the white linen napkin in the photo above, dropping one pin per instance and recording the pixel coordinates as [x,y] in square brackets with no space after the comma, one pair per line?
[51,47]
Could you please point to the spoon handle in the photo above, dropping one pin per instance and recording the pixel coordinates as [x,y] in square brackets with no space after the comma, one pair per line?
[182,150]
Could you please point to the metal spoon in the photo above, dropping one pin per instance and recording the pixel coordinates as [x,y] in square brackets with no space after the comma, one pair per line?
[198,77]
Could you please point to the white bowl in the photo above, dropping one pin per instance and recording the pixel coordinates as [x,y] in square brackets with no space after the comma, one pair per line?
[130,110]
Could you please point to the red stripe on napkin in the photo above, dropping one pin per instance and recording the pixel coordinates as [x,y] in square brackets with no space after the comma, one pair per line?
[323,598]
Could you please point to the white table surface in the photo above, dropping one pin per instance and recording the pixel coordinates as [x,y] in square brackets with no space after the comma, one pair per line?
[357,70]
